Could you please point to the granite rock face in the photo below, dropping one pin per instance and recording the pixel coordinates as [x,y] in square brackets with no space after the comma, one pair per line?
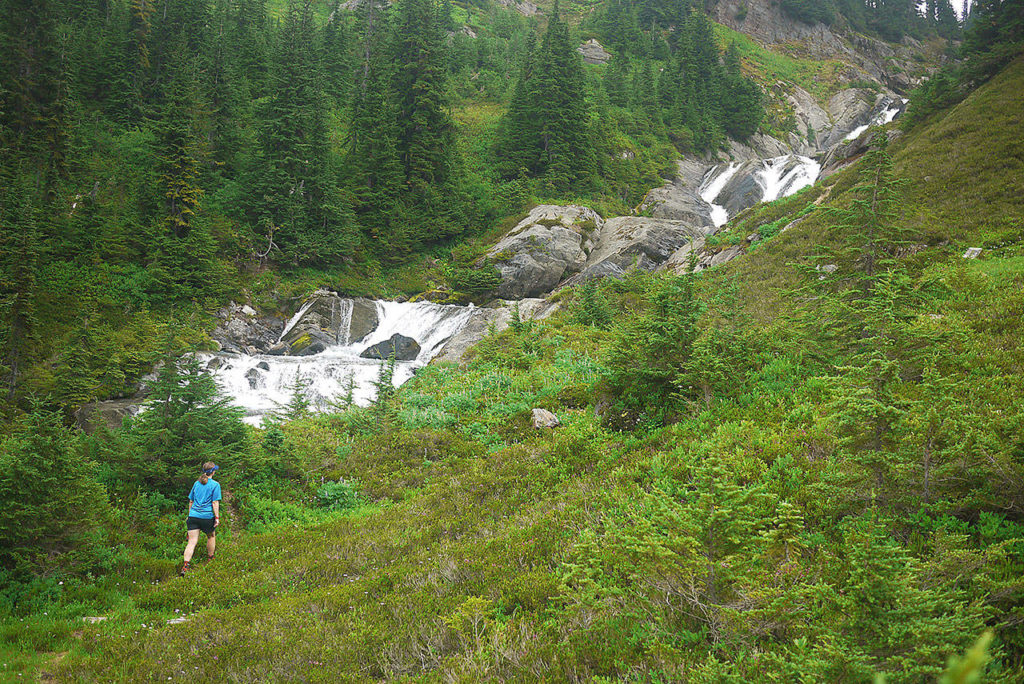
[495,316]
[593,52]
[240,329]
[679,199]
[628,242]
[549,245]
[895,66]
[108,414]
[326,320]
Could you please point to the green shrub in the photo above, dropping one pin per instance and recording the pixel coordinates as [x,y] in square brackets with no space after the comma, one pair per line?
[342,495]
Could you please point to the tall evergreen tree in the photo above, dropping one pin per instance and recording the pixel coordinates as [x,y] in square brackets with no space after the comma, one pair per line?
[296,179]
[547,128]
[425,135]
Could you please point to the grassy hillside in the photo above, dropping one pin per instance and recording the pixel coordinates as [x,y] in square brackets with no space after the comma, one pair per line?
[740,528]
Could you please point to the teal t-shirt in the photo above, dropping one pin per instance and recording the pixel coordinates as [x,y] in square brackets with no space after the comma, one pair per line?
[202,497]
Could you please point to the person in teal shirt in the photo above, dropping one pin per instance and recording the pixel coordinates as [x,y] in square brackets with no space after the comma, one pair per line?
[203,514]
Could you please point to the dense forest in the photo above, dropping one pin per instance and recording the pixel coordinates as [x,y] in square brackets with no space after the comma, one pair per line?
[156,157]
[764,472]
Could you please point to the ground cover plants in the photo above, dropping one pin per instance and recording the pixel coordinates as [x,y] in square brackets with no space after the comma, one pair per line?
[769,471]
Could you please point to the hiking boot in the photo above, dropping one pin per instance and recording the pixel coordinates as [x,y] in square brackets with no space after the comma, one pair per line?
[184,569]
[209,558]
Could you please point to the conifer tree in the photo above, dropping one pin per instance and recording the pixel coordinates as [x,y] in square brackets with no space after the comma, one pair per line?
[19,262]
[871,222]
[187,421]
[424,142]
[51,506]
[296,181]
[547,126]
[375,175]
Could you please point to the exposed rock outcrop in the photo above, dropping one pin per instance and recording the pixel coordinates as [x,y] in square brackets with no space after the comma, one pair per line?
[593,52]
[845,153]
[679,199]
[547,246]
[628,242]
[242,330]
[524,7]
[892,65]
[108,414]
[495,316]
[326,319]
[542,418]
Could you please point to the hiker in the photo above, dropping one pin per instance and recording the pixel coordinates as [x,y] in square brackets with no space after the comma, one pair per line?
[203,513]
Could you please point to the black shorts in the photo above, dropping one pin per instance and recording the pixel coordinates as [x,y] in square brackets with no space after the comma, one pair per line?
[204,524]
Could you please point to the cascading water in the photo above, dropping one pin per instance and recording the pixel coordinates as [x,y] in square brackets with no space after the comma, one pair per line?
[262,384]
[712,186]
[880,119]
[786,175]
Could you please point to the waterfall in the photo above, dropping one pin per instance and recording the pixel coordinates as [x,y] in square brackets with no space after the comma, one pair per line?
[786,175]
[885,116]
[261,384]
[341,320]
[712,186]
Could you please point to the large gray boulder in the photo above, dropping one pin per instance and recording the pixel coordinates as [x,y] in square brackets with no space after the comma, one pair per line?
[812,121]
[679,199]
[744,189]
[629,242]
[593,52]
[404,349]
[496,316]
[241,329]
[108,414]
[850,109]
[681,260]
[547,246]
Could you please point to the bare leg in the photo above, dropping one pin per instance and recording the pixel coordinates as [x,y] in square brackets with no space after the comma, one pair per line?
[211,545]
[190,547]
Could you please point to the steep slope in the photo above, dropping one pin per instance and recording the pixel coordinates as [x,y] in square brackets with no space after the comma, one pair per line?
[751,539]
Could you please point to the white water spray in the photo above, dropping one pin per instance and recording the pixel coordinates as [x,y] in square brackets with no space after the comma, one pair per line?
[712,186]
[786,175]
[262,384]
[885,116]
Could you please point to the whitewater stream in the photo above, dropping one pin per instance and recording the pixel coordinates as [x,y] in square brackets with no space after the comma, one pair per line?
[262,384]
[777,177]
[885,116]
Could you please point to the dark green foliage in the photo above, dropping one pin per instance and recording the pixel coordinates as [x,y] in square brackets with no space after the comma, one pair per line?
[298,405]
[592,307]
[651,350]
[186,423]
[52,509]
[546,130]
[808,11]
[384,386]
[993,37]
[467,278]
[311,218]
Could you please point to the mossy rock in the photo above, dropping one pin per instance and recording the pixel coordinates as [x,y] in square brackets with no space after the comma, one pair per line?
[301,343]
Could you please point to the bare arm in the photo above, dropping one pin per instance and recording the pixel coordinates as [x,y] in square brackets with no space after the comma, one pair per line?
[216,513]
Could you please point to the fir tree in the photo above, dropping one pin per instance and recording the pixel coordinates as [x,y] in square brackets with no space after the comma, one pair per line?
[187,421]
[51,506]
[547,127]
